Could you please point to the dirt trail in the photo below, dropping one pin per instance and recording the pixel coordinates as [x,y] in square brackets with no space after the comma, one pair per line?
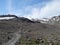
[14,39]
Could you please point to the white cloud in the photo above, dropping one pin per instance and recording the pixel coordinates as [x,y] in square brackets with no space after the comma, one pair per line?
[50,9]
[35,13]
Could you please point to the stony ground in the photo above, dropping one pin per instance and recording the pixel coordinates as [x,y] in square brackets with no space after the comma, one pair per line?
[29,31]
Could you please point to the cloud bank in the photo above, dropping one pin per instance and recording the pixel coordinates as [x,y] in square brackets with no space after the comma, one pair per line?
[39,10]
[50,9]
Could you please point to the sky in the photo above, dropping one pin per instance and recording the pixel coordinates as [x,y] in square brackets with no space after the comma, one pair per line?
[36,9]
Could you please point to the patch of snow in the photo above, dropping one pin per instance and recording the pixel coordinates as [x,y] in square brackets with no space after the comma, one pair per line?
[7,18]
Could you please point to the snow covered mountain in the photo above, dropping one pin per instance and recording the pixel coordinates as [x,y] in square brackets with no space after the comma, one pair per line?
[7,17]
[53,20]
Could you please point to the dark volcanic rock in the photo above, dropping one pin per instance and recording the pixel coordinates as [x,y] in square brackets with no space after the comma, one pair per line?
[25,20]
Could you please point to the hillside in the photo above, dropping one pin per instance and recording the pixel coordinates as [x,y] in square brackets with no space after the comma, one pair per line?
[28,29]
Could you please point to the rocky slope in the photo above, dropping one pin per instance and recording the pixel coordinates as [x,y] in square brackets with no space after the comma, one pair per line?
[29,29]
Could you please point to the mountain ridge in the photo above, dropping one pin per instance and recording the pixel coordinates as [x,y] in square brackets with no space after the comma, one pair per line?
[28,29]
